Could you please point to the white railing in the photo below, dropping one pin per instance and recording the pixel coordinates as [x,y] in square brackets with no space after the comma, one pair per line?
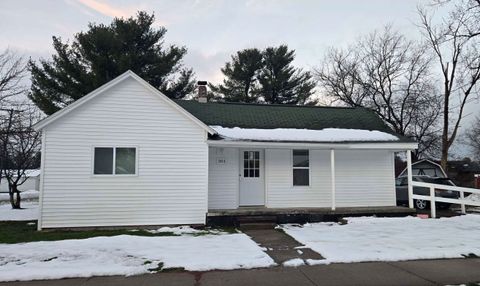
[433,199]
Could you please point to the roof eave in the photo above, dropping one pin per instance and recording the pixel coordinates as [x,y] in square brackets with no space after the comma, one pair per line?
[390,145]
[64,111]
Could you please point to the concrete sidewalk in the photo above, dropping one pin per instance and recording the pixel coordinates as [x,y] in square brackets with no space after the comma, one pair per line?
[419,272]
[280,246]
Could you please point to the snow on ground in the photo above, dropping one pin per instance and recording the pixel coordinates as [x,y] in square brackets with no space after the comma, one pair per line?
[473,197]
[179,230]
[295,262]
[25,195]
[29,211]
[390,239]
[127,255]
[286,134]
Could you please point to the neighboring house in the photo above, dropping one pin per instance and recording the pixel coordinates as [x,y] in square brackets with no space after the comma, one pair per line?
[127,155]
[32,182]
[425,167]
[464,173]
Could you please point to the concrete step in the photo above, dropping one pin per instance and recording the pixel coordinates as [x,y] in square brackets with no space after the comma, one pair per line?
[257,219]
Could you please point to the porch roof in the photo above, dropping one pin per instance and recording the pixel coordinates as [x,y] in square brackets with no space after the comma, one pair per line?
[275,116]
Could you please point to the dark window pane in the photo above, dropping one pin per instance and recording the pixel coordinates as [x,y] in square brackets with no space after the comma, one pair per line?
[257,173]
[300,177]
[257,155]
[251,174]
[125,161]
[300,158]
[245,173]
[103,161]
[245,155]
[257,164]
[245,164]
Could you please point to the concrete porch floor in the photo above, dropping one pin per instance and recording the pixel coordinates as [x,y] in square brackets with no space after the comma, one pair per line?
[299,215]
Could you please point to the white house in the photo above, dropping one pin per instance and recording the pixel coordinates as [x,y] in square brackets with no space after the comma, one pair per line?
[126,155]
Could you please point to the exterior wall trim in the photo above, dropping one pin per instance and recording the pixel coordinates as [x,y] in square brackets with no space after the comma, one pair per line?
[321,146]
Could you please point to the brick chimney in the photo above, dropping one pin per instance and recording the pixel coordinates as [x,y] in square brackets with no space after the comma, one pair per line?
[202,91]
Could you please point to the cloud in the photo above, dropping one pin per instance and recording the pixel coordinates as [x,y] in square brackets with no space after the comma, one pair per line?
[206,65]
[107,9]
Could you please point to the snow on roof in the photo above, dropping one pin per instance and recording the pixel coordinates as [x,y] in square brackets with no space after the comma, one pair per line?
[303,135]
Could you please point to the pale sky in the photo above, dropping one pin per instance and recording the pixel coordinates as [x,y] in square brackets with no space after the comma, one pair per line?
[212,30]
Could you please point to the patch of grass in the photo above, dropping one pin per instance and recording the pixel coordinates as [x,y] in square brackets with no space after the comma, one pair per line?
[216,231]
[24,231]
[470,255]
[157,269]
[50,259]
[228,229]
[173,269]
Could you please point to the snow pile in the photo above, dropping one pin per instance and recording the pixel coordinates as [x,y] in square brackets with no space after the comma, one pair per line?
[128,255]
[25,195]
[178,230]
[29,211]
[185,229]
[294,135]
[390,239]
[295,262]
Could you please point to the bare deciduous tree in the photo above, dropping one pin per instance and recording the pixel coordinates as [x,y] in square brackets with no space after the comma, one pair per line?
[473,137]
[469,12]
[390,75]
[457,52]
[21,148]
[12,72]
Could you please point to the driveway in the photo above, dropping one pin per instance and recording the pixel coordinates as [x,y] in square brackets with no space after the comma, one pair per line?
[420,272]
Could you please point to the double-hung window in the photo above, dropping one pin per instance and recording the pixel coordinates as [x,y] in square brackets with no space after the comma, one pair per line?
[115,161]
[301,167]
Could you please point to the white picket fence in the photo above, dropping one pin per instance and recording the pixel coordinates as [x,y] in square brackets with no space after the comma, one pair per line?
[433,199]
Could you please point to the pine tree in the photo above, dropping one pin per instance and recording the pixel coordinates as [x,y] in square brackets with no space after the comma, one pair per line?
[266,76]
[102,53]
[240,77]
[280,82]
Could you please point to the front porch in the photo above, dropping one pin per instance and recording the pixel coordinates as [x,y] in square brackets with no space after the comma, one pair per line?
[298,215]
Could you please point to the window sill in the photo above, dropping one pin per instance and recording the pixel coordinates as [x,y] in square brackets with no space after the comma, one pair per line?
[114,176]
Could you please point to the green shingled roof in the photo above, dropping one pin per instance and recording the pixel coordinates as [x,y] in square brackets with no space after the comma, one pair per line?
[270,116]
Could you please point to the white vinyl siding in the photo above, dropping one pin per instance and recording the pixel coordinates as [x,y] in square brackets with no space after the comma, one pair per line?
[364,178]
[172,162]
[279,180]
[223,178]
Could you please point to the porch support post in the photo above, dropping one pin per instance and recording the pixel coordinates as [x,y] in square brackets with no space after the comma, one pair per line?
[332,169]
[410,180]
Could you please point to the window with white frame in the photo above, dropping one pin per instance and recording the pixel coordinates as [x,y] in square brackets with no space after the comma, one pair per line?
[251,164]
[114,161]
[301,167]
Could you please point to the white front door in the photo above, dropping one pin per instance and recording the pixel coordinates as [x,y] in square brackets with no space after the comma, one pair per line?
[252,185]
